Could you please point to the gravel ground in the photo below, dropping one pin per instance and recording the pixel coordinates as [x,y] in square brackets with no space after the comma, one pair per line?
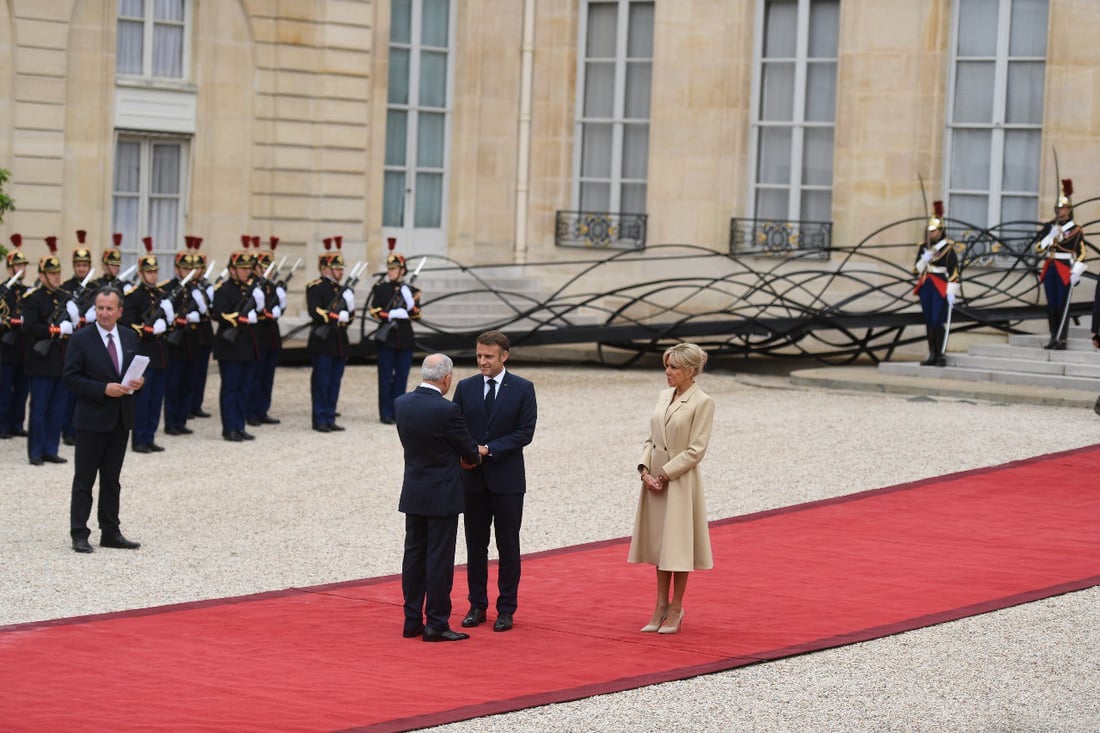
[298,508]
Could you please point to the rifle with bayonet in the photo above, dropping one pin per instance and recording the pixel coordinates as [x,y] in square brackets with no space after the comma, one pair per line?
[63,306]
[10,319]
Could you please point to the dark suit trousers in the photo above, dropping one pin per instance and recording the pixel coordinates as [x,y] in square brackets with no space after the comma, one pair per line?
[102,454]
[428,569]
[505,511]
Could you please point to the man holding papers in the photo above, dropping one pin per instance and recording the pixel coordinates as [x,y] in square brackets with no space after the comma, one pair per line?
[95,364]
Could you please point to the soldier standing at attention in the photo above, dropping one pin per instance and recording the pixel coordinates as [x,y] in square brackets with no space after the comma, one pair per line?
[937,264]
[181,343]
[331,308]
[235,308]
[268,337]
[395,304]
[1063,243]
[13,378]
[146,309]
[48,317]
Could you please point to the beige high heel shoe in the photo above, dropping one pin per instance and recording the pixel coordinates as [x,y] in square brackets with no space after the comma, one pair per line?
[655,625]
[668,628]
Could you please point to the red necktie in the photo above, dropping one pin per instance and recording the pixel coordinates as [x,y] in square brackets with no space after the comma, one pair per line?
[112,351]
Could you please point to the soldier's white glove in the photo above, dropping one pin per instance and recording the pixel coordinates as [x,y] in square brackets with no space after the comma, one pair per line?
[276,312]
[1076,273]
[343,317]
[398,314]
[258,297]
[349,300]
[408,296]
[66,328]
[168,310]
[280,293]
[210,293]
[950,298]
[159,327]
[926,256]
[89,315]
[74,312]
[200,302]
[252,318]
[193,317]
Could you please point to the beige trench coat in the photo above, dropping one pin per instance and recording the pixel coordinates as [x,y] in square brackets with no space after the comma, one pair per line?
[670,526]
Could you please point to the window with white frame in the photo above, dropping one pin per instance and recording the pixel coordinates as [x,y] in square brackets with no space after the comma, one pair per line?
[995,110]
[416,114]
[149,196]
[794,109]
[613,91]
[152,38]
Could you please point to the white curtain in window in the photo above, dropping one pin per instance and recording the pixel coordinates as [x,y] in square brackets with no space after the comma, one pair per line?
[974,91]
[433,79]
[393,199]
[817,157]
[599,89]
[777,92]
[596,147]
[127,167]
[639,43]
[978,26]
[429,200]
[1029,28]
[635,151]
[603,20]
[401,21]
[817,205]
[595,196]
[430,139]
[168,51]
[638,83]
[398,84]
[824,29]
[397,132]
[129,47]
[774,155]
[434,25]
[1024,104]
[1021,160]
[781,29]
[633,198]
[821,91]
[973,151]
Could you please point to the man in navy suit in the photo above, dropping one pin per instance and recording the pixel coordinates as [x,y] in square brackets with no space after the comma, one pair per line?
[436,442]
[500,411]
[95,362]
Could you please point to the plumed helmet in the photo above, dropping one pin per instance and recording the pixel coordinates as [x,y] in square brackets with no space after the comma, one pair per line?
[50,263]
[113,255]
[1065,194]
[396,260]
[16,256]
[935,222]
[82,253]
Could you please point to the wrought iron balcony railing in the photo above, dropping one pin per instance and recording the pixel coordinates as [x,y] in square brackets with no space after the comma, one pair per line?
[600,230]
[771,238]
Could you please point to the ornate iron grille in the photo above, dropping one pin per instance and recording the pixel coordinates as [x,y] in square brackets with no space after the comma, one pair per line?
[600,230]
[770,238]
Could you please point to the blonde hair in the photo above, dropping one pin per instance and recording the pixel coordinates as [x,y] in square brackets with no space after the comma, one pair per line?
[685,356]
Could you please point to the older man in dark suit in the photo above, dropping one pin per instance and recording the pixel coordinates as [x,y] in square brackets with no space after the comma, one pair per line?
[436,442]
[96,360]
[501,411]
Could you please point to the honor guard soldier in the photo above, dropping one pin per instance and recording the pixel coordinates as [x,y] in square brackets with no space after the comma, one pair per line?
[937,265]
[146,309]
[49,315]
[331,308]
[395,304]
[13,378]
[201,366]
[82,294]
[111,260]
[1062,242]
[269,339]
[182,342]
[235,309]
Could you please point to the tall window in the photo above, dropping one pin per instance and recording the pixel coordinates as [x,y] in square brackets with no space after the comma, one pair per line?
[795,109]
[994,134]
[614,80]
[151,38]
[149,185]
[416,115]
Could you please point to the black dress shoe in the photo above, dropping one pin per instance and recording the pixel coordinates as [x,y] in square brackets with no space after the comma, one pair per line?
[199,413]
[412,633]
[5,436]
[475,617]
[142,449]
[334,428]
[268,420]
[37,461]
[55,459]
[431,634]
[322,428]
[68,440]
[19,433]
[247,435]
[118,542]
[503,622]
[82,545]
[253,421]
[232,436]
[178,431]
[156,448]
[388,421]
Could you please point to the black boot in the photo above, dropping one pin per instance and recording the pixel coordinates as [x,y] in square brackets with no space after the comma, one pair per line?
[1052,324]
[933,350]
[939,333]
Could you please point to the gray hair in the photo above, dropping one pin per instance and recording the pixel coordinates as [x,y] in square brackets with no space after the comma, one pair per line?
[435,367]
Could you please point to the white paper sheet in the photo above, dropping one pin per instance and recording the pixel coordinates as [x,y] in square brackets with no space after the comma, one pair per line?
[136,369]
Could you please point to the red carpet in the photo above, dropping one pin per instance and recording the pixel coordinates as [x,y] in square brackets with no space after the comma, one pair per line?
[787,581]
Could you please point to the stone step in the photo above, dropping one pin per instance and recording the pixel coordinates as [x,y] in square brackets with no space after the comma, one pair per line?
[1033,366]
[1028,340]
[1008,351]
[914,369]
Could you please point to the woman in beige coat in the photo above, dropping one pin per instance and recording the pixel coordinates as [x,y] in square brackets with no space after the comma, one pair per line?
[670,527]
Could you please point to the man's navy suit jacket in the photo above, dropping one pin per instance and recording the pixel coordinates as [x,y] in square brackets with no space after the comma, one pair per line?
[507,430]
[88,370]
[434,436]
